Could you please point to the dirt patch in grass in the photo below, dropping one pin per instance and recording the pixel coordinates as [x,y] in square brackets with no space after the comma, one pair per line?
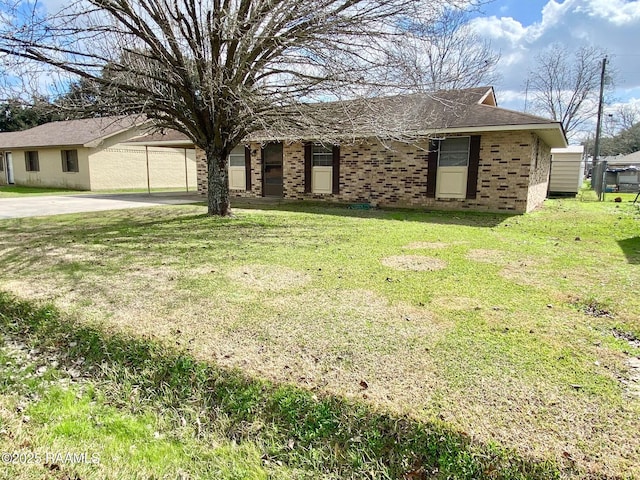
[41,257]
[337,340]
[5,250]
[525,272]
[138,299]
[483,255]
[268,277]
[416,263]
[38,288]
[457,303]
[426,245]
[571,425]
[633,384]
[62,254]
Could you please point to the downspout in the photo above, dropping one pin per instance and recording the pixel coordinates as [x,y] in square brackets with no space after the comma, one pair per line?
[186,173]
[146,151]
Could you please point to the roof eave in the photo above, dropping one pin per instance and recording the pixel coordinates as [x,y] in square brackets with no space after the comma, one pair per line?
[163,143]
[7,148]
[551,133]
[97,141]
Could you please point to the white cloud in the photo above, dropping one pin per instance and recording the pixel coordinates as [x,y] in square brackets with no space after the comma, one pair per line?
[504,28]
[613,25]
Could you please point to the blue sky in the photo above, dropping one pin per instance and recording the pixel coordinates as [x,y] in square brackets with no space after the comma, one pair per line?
[520,29]
[526,11]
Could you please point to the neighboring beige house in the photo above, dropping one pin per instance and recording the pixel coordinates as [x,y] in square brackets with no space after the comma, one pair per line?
[470,155]
[567,170]
[623,172]
[97,154]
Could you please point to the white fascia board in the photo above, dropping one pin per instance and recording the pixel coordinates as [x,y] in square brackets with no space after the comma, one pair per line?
[163,143]
[551,133]
[96,142]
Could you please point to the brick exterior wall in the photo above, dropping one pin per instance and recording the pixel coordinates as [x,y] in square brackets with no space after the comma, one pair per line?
[540,171]
[512,174]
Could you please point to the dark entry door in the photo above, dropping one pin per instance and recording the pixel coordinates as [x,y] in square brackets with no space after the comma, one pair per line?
[272,170]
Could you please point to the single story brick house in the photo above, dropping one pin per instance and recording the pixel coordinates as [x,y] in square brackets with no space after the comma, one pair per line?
[469,154]
[97,154]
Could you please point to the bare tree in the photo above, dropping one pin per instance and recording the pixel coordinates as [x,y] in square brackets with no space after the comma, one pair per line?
[565,86]
[218,70]
[445,54]
[623,117]
[622,131]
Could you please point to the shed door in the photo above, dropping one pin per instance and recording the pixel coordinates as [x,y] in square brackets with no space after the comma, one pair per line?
[272,170]
[453,168]
[9,167]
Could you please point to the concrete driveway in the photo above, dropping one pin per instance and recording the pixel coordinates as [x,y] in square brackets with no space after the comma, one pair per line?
[36,206]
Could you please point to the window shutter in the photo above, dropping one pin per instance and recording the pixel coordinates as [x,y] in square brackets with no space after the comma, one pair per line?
[474,164]
[336,169]
[432,169]
[307,167]
[247,166]
[63,156]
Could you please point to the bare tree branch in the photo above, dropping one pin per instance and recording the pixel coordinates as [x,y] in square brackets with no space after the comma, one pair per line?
[565,86]
[218,70]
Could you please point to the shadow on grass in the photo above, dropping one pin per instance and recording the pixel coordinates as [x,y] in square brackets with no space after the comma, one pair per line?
[465,218]
[133,232]
[129,232]
[631,248]
[159,197]
[322,434]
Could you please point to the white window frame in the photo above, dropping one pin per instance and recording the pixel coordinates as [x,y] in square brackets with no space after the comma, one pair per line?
[451,180]
[237,169]
[321,174]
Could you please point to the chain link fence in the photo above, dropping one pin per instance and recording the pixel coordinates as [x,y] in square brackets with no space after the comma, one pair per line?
[599,179]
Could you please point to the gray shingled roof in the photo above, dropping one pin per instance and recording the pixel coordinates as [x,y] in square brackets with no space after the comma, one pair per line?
[400,116]
[84,132]
[416,114]
[629,159]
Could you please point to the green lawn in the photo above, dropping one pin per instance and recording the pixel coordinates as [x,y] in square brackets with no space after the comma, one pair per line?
[507,336]
[7,191]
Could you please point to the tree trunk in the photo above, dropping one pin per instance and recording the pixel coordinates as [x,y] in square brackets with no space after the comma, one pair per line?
[218,183]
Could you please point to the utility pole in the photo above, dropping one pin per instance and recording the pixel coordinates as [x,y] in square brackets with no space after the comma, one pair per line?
[596,147]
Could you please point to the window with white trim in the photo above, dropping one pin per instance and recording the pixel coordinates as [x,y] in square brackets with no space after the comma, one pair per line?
[454,152]
[321,156]
[453,167]
[237,169]
[321,169]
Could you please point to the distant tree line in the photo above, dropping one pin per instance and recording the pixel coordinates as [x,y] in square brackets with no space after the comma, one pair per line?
[621,133]
[625,142]
[83,99]
[16,114]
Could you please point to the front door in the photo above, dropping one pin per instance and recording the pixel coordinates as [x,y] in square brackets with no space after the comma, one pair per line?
[272,170]
[9,167]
